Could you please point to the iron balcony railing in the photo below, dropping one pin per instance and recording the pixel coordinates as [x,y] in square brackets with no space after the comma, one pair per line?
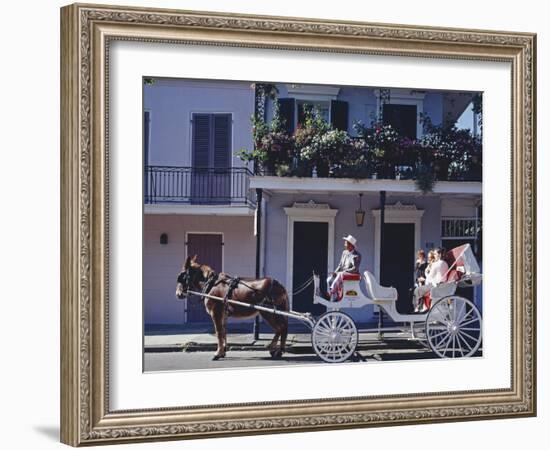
[198,186]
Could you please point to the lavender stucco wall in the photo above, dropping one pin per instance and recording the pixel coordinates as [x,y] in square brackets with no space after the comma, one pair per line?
[433,107]
[361,105]
[162,263]
[171,103]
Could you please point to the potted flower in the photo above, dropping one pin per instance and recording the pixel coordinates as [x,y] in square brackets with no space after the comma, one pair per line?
[383,143]
[273,146]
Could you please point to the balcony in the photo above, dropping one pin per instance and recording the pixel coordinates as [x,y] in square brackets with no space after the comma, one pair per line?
[443,154]
[198,186]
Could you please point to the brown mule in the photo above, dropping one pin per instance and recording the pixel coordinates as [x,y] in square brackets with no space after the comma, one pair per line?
[263,291]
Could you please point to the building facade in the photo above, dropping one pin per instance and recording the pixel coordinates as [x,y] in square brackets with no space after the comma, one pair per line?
[201,198]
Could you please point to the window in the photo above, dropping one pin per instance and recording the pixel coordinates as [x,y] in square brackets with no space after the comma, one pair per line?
[211,172]
[322,108]
[402,118]
[211,140]
[456,231]
[333,111]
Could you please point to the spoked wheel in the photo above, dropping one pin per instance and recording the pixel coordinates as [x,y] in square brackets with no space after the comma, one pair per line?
[420,334]
[334,337]
[453,328]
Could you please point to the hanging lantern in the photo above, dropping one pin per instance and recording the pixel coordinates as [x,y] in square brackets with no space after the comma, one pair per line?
[360,213]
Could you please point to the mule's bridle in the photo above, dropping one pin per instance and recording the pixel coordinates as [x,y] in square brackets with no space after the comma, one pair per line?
[211,281]
[186,279]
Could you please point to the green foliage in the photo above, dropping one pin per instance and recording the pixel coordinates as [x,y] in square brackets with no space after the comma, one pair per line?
[424,179]
[267,90]
[273,146]
[442,153]
[453,153]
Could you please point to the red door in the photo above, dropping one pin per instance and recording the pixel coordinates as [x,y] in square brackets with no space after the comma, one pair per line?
[208,248]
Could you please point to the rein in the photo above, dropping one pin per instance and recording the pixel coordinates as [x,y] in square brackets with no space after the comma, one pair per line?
[234,282]
[303,287]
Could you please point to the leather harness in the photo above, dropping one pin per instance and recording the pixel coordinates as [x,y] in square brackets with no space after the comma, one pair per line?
[233,283]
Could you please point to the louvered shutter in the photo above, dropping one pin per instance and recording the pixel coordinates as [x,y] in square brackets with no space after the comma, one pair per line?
[201,140]
[146,175]
[146,134]
[222,141]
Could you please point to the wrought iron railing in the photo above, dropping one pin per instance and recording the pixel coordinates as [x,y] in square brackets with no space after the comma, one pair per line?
[460,227]
[198,186]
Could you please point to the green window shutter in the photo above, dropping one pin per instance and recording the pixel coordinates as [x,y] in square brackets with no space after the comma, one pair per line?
[222,140]
[201,140]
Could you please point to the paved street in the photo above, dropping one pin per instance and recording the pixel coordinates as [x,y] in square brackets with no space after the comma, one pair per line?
[203,360]
[192,358]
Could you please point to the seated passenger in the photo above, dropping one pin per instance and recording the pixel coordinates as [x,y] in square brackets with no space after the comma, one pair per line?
[349,263]
[436,275]
[421,269]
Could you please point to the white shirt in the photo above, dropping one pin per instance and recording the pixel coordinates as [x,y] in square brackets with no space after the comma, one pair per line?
[437,272]
[349,262]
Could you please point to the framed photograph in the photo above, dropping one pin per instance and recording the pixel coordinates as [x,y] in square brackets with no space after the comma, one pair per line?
[275,224]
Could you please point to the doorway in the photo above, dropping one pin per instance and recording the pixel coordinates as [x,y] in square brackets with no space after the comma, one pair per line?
[209,248]
[397,262]
[310,253]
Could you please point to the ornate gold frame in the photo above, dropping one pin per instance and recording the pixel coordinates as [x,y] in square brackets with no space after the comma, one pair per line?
[86,31]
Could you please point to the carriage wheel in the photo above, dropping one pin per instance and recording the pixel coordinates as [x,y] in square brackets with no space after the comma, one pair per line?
[420,334]
[453,327]
[334,337]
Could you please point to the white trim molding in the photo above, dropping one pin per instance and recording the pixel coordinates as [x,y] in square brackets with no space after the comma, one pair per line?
[307,212]
[293,185]
[396,213]
[199,210]
[312,92]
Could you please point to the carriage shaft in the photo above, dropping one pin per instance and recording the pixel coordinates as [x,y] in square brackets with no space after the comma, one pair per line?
[292,314]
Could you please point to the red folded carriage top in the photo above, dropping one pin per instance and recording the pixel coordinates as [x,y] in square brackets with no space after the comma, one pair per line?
[351,277]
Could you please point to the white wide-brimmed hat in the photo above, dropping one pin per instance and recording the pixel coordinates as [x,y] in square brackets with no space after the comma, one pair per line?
[350,239]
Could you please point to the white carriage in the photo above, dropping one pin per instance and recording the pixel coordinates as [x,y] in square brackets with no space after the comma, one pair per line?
[451,326]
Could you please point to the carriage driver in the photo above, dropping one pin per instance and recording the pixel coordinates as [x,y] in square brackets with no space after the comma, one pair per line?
[349,263]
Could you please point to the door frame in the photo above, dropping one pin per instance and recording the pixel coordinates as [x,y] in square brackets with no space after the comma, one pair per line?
[307,212]
[187,233]
[396,213]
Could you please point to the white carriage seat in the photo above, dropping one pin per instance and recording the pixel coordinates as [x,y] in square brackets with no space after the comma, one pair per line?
[377,292]
[442,290]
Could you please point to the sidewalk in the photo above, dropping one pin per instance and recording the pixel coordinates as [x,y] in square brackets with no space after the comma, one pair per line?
[296,342]
[209,342]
